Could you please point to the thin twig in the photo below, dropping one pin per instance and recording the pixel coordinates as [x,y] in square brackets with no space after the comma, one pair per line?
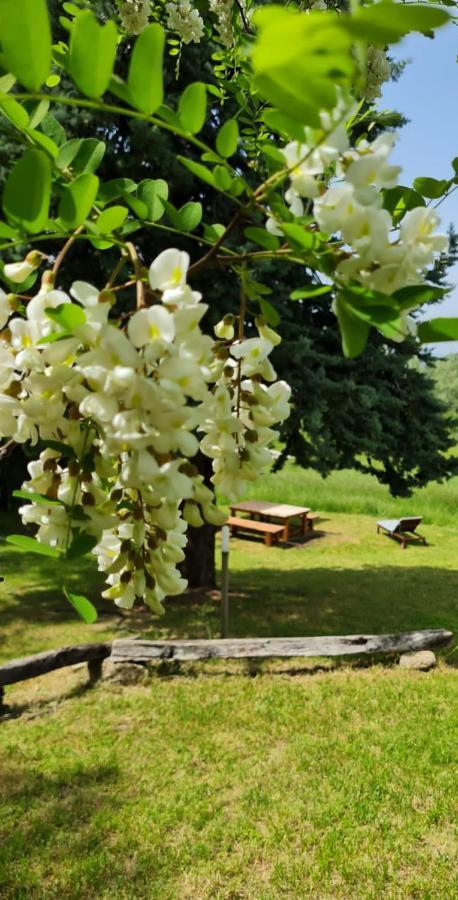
[243,17]
[204,260]
[241,335]
[117,269]
[138,275]
[61,256]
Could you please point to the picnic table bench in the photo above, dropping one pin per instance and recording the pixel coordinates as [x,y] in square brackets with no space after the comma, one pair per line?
[264,512]
[271,532]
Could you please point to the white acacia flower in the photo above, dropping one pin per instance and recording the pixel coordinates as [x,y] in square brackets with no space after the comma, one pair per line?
[169,269]
[20,271]
[153,325]
[417,230]
[225,328]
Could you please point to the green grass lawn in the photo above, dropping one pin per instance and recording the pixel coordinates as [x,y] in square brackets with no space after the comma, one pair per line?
[214,783]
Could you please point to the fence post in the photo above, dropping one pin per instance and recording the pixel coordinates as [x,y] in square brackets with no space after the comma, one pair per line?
[224,581]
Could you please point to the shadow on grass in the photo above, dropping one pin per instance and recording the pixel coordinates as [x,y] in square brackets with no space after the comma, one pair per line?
[43,598]
[266,602]
[56,815]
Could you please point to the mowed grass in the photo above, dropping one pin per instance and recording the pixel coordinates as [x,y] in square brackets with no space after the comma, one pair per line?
[233,780]
[354,492]
[214,785]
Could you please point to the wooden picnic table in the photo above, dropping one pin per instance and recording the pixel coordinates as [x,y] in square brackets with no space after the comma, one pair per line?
[285,512]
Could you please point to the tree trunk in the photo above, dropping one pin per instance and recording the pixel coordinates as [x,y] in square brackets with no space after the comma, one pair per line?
[199,565]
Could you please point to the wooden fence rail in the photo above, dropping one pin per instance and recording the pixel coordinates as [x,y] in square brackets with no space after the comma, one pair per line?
[125,650]
[40,663]
[139,651]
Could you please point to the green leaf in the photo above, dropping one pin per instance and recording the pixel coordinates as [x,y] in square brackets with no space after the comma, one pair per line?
[189,216]
[43,141]
[54,338]
[117,187]
[27,191]
[283,124]
[440,329]
[26,40]
[81,544]
[152,193]
[227,138]
[198,170]
[83,607]
[33,497]
[431,187]
[77,200]
[300,60]
[387,22]
[416,294]
[145,82]
[37,112]
[67,152]
[89,155]
[7,232]
[222,178]
[111,219]
[192,107]
[399,200]
[262,237]
[68,315]
[297,235]
[30,545]
[14,111]
[310,291]
[84,155]
[354,332]
[92,54]
[394,329]
[269,312]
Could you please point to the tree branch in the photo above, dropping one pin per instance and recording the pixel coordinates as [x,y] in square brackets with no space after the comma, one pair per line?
[204,261]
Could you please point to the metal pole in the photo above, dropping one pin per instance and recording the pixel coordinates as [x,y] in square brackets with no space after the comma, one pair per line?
[225,581]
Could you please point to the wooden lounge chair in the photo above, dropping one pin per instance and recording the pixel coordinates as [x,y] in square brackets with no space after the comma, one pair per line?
[403,530]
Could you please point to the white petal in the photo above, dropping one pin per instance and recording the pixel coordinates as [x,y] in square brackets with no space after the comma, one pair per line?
[169,270]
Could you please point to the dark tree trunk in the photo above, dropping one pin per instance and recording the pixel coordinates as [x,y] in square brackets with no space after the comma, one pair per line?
[199,565]
[13,471]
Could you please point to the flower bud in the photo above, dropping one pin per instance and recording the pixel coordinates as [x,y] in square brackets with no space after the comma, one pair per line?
[47,281]
[268,334]
[20,271]
[107,297]
[225,328]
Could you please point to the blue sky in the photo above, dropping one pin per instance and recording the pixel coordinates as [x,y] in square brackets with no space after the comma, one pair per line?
[427,95]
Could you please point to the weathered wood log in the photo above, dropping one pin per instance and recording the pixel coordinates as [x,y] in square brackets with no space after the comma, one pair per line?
[142,651]
[40,663]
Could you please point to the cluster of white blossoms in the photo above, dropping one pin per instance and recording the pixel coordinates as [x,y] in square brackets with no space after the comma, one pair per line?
[134,14]
[378,70]
[343,189]
[243,408]
[222,10]
[185,20]
[117,407]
